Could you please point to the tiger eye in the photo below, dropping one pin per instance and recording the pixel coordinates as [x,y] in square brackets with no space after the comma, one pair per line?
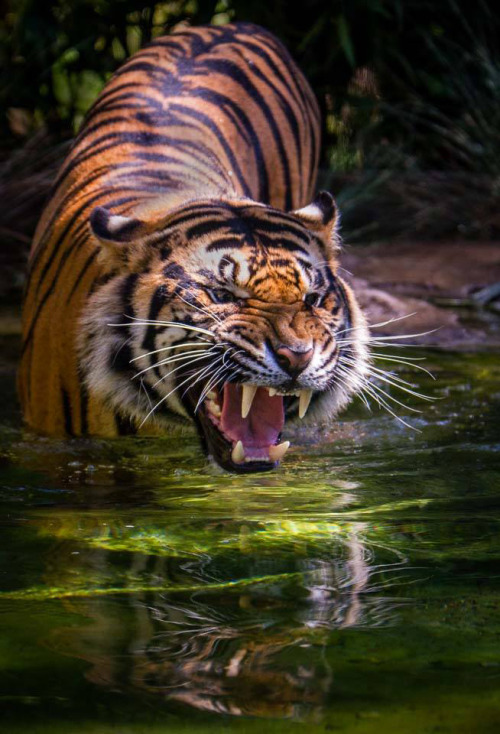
[312,299]
[221,295]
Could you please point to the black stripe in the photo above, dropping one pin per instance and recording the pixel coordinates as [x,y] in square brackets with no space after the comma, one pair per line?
[224,242]
[196,211]
[100,101]
[62,261]
[209,123]
[65,202]
[84,405]
[125,425]
[233,71]
[88,263]
[233,110]
[286,108]
[340,290]
[275,72]
[68,421]
[119,360]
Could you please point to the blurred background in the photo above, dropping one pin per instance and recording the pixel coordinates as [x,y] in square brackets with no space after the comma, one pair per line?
[409,91]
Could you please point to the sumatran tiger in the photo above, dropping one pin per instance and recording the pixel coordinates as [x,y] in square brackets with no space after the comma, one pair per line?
[179,272]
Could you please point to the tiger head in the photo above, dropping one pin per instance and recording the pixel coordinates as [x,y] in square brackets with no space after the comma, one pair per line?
[228,313]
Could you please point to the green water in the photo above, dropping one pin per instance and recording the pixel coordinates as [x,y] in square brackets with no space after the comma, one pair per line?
[354,590]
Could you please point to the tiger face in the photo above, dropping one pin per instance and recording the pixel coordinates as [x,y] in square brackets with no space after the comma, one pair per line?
[226,313]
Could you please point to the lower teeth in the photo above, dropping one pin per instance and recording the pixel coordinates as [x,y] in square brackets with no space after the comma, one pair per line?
[275,453]
[238,453]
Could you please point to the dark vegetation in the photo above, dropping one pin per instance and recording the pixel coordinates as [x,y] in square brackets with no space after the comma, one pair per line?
[409,90]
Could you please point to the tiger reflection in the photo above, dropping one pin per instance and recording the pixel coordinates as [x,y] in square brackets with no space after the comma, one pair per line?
[256,653]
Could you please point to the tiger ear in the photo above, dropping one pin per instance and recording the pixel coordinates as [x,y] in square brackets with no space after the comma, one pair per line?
[323,218]
[116,235]
[114,228]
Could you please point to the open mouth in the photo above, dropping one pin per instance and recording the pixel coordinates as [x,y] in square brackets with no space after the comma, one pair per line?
[241,425]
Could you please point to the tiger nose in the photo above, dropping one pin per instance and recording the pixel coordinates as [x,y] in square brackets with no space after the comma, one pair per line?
[292,361]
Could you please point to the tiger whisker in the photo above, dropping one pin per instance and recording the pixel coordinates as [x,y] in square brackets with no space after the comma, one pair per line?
[379,324]
[201,309]
[235,371]
[173,346]
[369,388]
[151,322]
[165,397]
[222,378]
[388,344]
[339,377]
[402,361]
[210,384]
[142,388]
[122,346]
[209,368]
[382,402]
[203,373]
[390,379]
[198,374]
[381,339]
[174,358]
[193,360]
[372,386]
[375,371]
[397,356]
[178,357]
[363,397]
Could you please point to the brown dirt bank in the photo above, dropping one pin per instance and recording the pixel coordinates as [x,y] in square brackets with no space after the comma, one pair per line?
[437,281]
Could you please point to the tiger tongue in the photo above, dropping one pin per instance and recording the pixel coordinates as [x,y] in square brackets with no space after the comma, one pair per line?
[263,424]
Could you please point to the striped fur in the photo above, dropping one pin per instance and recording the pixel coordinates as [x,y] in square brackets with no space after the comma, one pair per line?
[174,193]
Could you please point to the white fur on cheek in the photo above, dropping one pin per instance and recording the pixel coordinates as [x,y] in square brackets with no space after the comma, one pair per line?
[99,344]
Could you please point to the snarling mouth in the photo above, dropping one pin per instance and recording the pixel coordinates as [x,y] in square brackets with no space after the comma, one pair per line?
[241,424]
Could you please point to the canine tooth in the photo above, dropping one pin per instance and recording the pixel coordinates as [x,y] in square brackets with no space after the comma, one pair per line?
[272,391]
[212,395]
[304,400]
[238,453]
[214,408]
[276,453]
[247,396]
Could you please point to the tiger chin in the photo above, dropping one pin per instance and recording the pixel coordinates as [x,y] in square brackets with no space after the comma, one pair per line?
[239,332]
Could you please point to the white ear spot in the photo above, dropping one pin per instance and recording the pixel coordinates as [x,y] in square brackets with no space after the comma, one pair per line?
[116,223]
[321,212]
[322,217]
[311,212]
[113,227]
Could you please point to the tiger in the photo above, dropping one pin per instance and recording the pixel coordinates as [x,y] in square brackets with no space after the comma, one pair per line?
[183,272]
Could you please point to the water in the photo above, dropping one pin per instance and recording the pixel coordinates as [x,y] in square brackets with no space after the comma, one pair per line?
[354,590]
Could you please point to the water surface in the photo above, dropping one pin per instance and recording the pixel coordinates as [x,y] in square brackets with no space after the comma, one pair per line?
[353,590]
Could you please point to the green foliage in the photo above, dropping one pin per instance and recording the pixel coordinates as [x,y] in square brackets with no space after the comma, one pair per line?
[408,89]
[55,56]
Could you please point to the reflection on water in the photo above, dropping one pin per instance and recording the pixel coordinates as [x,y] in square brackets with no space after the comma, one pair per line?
[357,581]
[225,616]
